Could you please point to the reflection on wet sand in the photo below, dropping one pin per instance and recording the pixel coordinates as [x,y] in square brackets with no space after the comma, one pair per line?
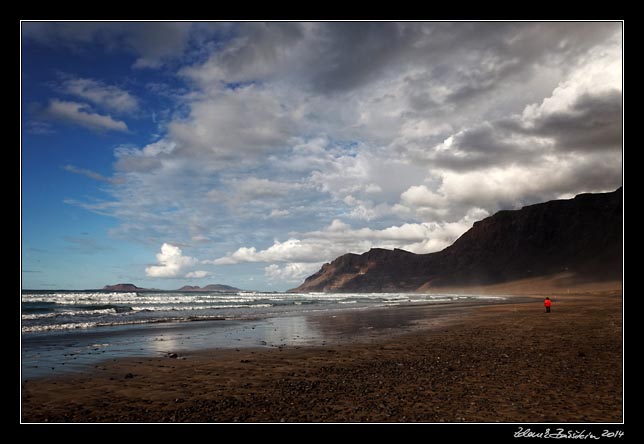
[362,324]
[49,354]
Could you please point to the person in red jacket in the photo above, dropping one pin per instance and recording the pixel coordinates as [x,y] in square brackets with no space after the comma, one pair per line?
[547,303]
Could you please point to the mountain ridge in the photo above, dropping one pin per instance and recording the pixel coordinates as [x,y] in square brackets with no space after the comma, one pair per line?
[581,236]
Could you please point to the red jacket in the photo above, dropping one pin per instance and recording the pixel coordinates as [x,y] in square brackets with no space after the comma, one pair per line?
[547,303]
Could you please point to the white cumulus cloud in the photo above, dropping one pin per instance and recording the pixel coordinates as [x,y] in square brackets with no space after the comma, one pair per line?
[291,272]
[339,238]
[422,196]
[171,263]
[289,250]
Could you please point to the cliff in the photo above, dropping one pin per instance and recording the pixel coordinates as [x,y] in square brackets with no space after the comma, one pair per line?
[581,237]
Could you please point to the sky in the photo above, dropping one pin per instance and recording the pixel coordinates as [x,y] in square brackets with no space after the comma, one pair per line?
[250,153]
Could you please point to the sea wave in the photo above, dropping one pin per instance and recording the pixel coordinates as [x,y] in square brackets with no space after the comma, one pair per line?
[112,309]
[57,314]
[196,307]
[76,298]
[49,311]
[86,325]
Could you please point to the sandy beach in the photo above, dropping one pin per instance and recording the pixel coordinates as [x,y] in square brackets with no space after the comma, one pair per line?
[507,362]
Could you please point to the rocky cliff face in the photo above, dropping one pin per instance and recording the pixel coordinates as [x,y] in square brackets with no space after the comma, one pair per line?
[582,236]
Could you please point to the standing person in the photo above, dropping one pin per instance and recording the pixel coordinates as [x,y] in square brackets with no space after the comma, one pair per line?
[547,303]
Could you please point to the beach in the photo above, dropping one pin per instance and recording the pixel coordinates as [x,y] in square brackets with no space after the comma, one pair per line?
[502,362]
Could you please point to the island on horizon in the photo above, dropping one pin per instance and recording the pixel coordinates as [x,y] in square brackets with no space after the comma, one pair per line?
[126,287]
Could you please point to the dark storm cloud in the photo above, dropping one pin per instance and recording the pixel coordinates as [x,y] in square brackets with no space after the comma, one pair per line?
[353,53]
[469,57]
[153,42]
[488,54]
[594,122]
[481,147]
[483,140]
[264,41]
[335,57]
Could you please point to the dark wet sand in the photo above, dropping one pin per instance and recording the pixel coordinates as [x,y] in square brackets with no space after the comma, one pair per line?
[46,355]
[495,363]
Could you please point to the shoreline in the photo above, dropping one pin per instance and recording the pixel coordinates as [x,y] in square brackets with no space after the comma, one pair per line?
[498,362]
[49,354]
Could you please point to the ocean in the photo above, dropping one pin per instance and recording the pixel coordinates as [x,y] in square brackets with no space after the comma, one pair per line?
[44,311]
[73,330]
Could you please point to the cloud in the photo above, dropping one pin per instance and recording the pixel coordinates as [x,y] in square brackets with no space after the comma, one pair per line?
[289,250]
[171,262]
[233,125]
[145,160]
[279,213]
[92,175]
[291,272]
[593,122]
[254,50]
[421,196]
[198,274]
[590,121]
[250,196]
[253,188]
[157,42]
[363,134]
[107,96]
[80,114]
[153,43]
[39,127]
[552,177]
[339,238]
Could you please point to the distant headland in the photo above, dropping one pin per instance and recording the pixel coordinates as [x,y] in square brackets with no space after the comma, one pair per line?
[185,288]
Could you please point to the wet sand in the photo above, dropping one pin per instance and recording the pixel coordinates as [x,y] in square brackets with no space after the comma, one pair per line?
[493,363]
[51,354]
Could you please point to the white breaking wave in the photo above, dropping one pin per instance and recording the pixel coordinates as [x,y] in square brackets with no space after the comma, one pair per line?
[68,313]
[58,311]
[196,307]
[85,325]
[219,298]
[64,298]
